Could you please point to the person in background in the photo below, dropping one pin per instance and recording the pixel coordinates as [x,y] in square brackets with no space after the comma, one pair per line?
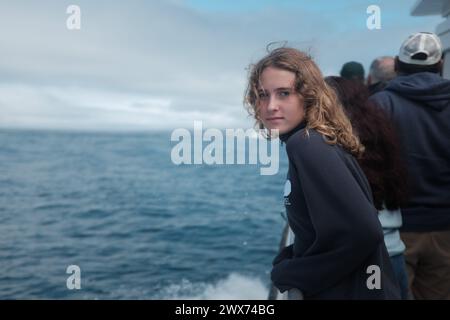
[381,164]
[338,241]
[353,71]
[381,71]
[418,103]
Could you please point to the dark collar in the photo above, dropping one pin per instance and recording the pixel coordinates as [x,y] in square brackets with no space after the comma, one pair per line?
[285,136]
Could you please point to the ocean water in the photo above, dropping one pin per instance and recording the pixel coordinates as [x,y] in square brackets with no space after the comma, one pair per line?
[138,226]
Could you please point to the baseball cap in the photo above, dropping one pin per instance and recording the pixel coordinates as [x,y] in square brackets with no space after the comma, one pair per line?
[421,48]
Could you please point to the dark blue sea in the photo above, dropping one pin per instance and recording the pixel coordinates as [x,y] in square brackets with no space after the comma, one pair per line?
[138,226]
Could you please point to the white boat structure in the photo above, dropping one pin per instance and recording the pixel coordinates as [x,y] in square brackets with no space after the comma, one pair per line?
[442,8]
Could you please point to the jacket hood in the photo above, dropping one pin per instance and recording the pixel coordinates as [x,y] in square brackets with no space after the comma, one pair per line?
[425,87]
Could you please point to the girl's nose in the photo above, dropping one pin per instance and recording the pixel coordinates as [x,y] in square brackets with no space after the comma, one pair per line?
[273,104]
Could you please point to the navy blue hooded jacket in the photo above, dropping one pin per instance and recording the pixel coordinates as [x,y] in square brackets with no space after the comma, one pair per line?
[419,106]
[338,236]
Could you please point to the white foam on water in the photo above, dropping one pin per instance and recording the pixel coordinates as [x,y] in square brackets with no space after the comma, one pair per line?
[234,287]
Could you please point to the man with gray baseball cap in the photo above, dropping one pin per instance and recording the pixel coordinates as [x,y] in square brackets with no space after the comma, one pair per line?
[418,103]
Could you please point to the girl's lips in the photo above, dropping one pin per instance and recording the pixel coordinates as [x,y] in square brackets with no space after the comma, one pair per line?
[275,119]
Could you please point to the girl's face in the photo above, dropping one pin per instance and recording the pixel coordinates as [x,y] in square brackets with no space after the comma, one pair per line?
[280,106]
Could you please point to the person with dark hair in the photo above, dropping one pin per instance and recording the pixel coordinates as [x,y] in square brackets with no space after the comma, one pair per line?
[353,71]
[381,71]
[338,250]
[381,164]
[418,103]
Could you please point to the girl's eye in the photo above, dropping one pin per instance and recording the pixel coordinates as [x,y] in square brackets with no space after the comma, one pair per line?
[263,95]
[283,94]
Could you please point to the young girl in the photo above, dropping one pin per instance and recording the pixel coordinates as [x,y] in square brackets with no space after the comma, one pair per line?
[338,251]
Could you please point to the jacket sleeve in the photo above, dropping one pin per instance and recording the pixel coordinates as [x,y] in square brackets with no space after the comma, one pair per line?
[345,222]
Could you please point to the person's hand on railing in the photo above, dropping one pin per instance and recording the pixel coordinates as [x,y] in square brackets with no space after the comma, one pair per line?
[285,253]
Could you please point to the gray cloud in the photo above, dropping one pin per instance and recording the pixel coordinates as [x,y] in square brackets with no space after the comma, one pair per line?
[161,64]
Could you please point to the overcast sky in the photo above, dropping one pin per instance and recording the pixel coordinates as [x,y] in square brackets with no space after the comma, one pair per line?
[144,65]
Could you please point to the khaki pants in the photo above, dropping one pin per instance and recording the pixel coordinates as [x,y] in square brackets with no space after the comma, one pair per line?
[427,258]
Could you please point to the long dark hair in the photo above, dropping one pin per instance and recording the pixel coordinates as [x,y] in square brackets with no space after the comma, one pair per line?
[381,161]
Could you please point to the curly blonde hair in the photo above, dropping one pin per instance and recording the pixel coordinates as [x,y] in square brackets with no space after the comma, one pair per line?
[323,111]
